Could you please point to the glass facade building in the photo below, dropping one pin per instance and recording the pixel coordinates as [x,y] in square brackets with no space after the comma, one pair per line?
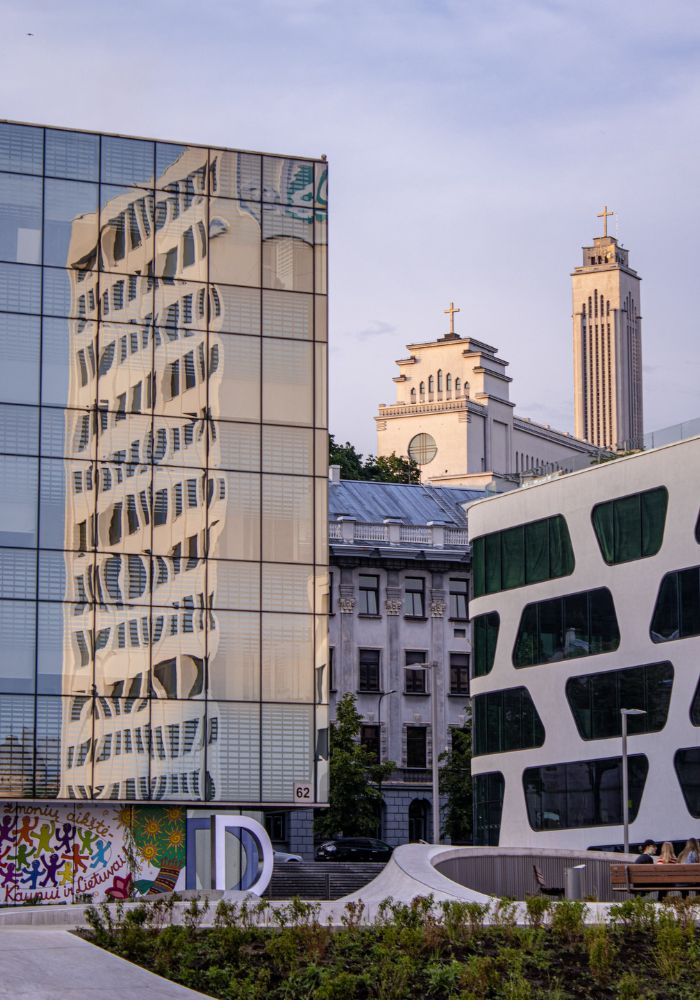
[163,471]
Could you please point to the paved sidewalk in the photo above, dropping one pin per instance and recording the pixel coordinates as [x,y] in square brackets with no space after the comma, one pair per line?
[56,965]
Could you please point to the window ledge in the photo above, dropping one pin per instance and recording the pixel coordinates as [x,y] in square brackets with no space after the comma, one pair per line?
[416,694]
[373,691]
[415,618]
[459,621]
[373,617]
[458,694]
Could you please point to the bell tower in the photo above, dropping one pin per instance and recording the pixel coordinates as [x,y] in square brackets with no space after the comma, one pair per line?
[607,329]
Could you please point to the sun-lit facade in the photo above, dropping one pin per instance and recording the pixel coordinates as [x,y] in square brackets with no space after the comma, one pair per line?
[163,471]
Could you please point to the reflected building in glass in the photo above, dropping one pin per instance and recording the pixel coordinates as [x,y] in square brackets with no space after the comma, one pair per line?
[163,471]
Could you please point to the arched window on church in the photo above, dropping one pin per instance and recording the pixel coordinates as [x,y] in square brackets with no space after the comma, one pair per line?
[439,379]
[422,390]
[458,387]
[448,382]
[431,384]
[413,395]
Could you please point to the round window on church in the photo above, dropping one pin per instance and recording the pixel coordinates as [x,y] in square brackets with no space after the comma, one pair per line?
[422,449]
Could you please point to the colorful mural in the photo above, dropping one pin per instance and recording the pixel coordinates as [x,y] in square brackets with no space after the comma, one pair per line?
[61,853]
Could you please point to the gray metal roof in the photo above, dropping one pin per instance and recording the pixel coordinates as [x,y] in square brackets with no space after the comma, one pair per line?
[373,502]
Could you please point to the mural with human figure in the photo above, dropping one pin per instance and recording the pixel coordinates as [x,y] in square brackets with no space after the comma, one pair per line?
[64,853]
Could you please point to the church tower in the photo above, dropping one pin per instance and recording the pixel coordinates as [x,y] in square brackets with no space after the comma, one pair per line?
[607,345]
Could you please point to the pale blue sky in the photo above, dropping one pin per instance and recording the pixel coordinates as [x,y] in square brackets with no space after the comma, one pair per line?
[470,145]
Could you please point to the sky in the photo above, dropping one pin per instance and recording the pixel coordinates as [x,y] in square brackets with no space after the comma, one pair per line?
[471,144]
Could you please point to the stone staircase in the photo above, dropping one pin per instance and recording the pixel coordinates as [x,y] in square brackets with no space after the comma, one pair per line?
[320,880]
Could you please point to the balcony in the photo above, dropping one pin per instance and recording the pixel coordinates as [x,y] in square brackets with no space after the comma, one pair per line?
[439,536]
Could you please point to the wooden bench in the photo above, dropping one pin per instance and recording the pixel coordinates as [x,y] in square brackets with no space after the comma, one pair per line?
[654,878]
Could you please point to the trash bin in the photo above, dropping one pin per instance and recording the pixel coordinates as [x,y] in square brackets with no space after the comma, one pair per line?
[574,882]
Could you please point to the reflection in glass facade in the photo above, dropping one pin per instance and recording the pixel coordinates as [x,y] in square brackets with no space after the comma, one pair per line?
[162,470]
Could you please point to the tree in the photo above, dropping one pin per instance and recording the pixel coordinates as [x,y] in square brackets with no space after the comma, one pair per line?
[355,778]
[392,469]
[345,455]
[385,469]
[456,784]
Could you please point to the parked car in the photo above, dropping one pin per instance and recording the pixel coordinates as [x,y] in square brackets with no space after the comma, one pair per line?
[284,857]
[354,849]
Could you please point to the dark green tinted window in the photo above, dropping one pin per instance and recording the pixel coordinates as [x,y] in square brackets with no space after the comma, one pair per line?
[582,793]
[484,639]
[687,764]
[564,628]
[478,571]
[528,553]
[677,610]
[506,720]
[631,527]
[695,707]
[488,806]
[697,529]
[596,699]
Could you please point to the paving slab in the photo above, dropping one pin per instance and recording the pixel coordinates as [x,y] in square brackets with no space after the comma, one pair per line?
[50,964]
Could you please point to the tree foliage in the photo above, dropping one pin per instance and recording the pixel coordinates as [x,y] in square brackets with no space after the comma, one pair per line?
[355,778]
[385,469]
[456,785]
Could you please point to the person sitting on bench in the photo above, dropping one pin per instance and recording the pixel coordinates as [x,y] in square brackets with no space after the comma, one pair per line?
[646,857]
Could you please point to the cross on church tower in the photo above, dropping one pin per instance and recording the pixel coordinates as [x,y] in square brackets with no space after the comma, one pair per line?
[604,216]
[452,312]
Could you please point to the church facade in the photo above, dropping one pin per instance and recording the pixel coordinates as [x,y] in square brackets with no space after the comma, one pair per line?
[454,417]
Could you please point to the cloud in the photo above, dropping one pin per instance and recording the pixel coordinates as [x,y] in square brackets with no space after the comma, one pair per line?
[376,328]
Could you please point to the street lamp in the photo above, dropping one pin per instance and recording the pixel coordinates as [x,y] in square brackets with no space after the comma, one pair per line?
[436,772]
[379,721]
[624,712]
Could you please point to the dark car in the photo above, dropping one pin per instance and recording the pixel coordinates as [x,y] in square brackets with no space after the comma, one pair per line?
[354,849]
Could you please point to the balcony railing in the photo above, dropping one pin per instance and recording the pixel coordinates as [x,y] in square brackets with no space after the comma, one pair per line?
[439,536]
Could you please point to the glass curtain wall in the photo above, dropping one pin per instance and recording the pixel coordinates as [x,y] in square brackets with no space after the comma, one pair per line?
[163,470]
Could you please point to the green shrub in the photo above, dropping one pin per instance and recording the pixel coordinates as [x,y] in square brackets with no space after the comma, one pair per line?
[636,914]
[602,952]
[568,919]
[537,908]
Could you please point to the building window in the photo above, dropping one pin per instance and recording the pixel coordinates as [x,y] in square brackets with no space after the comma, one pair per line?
[330,594]
[369,670]
[484,640]
[415,673]
[276,826]
[369,738]
[488,792]
[677,610]
[529,553]
[459,674]
[369,594]
[687,765]
[331,669]
[631,527]
[582,793]
[416,746]
[567,627]
[506,720]
[595,700]
[458,598]
[414,603]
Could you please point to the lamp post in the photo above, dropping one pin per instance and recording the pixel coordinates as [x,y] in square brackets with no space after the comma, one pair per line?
[379,720]
[436,772]
[624,712]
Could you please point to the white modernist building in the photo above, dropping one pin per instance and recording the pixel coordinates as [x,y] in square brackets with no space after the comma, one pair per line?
[586,601]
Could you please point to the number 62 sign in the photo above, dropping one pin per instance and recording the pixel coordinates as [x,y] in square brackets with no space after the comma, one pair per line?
[302,792]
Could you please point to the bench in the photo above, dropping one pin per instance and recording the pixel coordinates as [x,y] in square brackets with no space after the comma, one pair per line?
[654,878]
